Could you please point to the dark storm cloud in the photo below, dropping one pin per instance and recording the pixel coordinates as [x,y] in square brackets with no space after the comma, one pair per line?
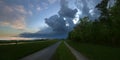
[57,24]
[65,11]
[45,33]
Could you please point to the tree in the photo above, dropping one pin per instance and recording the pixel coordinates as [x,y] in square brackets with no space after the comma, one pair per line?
[114,16]
[104,17]
[105,30]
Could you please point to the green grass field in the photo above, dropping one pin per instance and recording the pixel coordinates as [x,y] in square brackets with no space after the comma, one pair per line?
[17,51]
[63,53]
[96,52]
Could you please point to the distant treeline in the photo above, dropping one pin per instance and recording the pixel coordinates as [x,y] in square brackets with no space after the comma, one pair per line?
[105,30]
[17,41]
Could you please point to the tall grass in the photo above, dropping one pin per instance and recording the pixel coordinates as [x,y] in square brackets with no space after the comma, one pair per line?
[96,52]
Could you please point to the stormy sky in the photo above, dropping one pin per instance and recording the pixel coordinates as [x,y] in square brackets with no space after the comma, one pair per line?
[26,19]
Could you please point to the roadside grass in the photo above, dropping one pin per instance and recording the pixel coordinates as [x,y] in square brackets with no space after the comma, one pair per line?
[63,53]
[96,52]
[17,51]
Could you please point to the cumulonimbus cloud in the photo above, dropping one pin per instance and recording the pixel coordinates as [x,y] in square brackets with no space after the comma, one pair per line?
[65,14]
[57,23]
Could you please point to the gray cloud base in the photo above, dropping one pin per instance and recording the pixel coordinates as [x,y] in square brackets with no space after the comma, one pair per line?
[57,23]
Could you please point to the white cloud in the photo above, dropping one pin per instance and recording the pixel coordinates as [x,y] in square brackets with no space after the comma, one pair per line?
[52,1]
[8,9]
[30,13]
[20,9]
[31,5]
[16,24]
[38,8]
[4,23]
[45,5]
[19,24]
[13,16]
[87,7]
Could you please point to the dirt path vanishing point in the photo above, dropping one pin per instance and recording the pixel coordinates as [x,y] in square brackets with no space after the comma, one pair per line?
[44,54]
[77,54]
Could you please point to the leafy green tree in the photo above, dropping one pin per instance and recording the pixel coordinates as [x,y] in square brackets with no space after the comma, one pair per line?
[114,16]
[104,17]
[105,30]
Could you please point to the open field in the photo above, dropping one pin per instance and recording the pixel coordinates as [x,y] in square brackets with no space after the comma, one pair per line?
[63,53]
[96,52]
[17,51]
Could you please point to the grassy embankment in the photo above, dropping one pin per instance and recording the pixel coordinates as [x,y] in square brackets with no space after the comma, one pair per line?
[17,51]
[96,52]
[63,53]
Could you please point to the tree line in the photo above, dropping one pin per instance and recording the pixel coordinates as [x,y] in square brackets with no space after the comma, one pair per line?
[105,30]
